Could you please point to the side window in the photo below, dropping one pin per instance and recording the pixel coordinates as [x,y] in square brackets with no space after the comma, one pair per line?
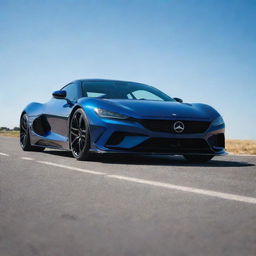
[72,91]
[145,95]
[129,96]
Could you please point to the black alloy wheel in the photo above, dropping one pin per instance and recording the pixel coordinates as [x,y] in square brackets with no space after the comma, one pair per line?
[79,135]
[25,137]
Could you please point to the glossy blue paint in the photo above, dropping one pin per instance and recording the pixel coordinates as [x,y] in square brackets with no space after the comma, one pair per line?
[57,113]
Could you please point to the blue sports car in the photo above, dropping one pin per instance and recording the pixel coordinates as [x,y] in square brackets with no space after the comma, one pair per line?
[109,116]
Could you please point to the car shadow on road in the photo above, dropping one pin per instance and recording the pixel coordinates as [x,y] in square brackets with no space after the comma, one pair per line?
[159,160]
[169,161]
[58,153]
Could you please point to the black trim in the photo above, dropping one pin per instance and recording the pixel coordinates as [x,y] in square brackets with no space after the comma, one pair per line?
[117,137]
[167,125]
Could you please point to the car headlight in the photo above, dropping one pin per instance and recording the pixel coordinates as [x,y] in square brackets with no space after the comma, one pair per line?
[108,114]
[218,121]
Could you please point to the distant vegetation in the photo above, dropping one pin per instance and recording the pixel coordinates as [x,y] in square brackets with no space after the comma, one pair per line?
[5,131]
[241,146]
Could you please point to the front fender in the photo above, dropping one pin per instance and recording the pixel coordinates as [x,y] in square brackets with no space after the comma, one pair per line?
[34,109]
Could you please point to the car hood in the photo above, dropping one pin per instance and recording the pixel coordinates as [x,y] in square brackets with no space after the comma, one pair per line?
[162,108]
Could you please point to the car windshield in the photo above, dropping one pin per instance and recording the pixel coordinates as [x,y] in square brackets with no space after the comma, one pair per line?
[122,90]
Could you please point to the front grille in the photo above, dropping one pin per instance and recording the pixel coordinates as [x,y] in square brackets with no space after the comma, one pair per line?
[165,145]
[167,125]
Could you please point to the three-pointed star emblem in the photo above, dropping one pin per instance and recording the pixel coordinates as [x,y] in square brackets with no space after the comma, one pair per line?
[178,127]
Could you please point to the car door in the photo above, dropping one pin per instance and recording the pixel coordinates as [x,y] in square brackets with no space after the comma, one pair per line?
[57,113]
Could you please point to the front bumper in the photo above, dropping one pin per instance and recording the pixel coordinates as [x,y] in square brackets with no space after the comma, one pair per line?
[121,136]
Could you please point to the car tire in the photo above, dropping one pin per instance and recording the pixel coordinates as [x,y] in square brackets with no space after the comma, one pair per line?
[198,158]
[79,135]
[25,136]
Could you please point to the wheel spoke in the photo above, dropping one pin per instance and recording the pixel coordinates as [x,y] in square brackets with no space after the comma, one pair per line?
[80,121]
[84,131]
[83,142]
[79,145]
[74,141]
[83,137]
[74,131]
[75,122]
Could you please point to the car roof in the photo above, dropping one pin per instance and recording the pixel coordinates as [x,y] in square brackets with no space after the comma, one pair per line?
[100,80]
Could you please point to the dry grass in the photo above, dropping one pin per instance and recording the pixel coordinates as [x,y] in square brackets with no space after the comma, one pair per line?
[232,146]
[9,133]
[241,146]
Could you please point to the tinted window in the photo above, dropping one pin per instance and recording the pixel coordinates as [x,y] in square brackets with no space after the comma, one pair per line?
[144,95]
[71,90]
[122,90]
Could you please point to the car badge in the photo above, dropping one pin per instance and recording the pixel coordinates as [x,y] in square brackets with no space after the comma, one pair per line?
[178,127]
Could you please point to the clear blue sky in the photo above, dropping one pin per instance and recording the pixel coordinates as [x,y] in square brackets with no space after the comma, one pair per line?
[198,50]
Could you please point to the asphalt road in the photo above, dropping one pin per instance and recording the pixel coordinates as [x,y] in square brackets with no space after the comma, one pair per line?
[51,204]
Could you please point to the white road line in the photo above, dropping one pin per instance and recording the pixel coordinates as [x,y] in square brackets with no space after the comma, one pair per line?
[72,168]
[3,154]
[27,158]
[227,196]
[245,199]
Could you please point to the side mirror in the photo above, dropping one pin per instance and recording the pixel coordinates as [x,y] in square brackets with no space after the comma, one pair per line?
[59,94]
[178,100]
